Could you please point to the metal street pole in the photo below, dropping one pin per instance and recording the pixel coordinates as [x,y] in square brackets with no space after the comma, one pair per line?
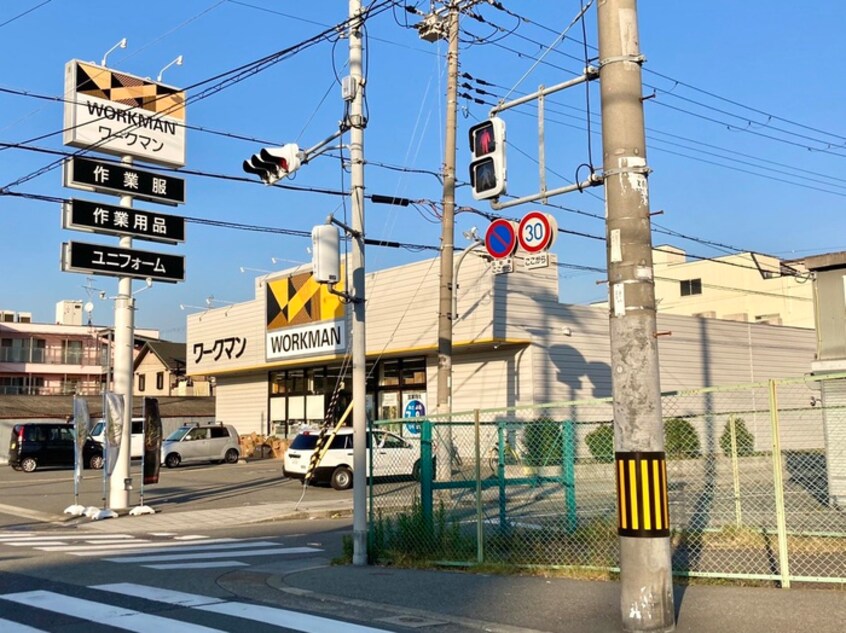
[357,124]
[124,337]
[646,599]
[445,315]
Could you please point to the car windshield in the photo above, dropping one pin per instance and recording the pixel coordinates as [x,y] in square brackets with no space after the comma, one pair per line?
[305,442]
[97,430]
[178,434]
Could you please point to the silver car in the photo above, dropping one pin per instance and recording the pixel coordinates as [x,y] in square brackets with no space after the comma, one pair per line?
[192,443]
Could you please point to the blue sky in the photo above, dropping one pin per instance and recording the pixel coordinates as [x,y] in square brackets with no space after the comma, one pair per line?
[745,132]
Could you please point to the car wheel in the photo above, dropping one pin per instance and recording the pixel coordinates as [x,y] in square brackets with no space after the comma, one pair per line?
[342,478]
[173,460]
[415,471]
[96,462]
[231,456]
[28,464]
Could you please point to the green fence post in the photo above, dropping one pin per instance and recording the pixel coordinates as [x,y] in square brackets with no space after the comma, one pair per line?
[426,470]
[480,515]
[568,430]
[735,472]
[500,471]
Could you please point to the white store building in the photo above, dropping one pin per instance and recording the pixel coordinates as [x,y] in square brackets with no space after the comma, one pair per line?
[277,358]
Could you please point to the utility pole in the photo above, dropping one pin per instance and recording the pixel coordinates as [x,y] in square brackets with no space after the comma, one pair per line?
[445,302]
[646,599]
[124,337]
[357,124]
[448,221]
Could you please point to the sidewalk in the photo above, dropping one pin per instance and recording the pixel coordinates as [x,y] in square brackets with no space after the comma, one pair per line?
[527,604]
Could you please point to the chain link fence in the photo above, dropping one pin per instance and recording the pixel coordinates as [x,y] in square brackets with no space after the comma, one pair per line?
[756,481]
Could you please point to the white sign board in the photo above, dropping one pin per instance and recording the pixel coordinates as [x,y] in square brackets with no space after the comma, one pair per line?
[321,337]
[116,113]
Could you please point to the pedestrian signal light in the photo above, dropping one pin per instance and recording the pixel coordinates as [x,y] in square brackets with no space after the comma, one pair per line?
[487,159]
[273,163]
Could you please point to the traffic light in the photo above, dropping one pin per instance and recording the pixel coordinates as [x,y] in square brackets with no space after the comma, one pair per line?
[487,160]
[273,163]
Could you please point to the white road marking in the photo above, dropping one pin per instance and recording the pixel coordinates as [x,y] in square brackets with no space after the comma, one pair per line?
[158,594]
[175,547]
[53,536]
[118,617]
[163,558]
[255,612]
[7,626]
[97,550]
[210,565]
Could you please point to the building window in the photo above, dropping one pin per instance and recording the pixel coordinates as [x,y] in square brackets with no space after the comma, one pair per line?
[690,287]
[160,380]
[142,382]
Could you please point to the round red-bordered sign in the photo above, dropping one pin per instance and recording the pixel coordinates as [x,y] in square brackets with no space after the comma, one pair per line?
[537,232]
[500,239]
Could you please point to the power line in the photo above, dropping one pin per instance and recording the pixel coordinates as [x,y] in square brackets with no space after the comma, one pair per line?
[20,15]
[225,80]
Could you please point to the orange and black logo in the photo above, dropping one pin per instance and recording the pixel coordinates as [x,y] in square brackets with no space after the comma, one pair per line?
[299,300]
[96,81]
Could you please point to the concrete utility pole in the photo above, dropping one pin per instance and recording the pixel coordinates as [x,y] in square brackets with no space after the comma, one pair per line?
[124,337]
[357,124]
[645,564]
[445,315]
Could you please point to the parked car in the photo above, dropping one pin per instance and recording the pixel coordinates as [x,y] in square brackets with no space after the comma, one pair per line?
[34,445]
[393,457]
[136,443]
[192,443]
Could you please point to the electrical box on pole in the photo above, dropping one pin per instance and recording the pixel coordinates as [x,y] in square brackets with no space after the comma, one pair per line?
[274,163]
[487,159]
[326,254]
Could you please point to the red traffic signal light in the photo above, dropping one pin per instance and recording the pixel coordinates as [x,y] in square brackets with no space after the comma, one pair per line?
[487,164]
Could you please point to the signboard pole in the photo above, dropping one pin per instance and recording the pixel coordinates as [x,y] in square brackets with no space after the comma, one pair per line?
[119,481]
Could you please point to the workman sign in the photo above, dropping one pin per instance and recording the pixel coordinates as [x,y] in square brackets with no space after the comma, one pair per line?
[303,319]
[121,114]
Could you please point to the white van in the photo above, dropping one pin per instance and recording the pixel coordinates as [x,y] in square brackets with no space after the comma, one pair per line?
[392,457]
[137,437]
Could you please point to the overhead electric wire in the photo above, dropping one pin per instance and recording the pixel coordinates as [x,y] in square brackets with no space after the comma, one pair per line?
[841,137]
[226,79]
[28,11]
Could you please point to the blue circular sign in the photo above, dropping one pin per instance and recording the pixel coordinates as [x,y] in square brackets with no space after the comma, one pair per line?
[500,239]
[414,409]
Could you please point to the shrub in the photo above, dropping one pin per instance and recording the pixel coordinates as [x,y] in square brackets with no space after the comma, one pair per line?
[680,439]
[743,436]
[600,443]
[543,443]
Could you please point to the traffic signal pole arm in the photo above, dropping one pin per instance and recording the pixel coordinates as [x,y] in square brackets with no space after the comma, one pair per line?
[274,163]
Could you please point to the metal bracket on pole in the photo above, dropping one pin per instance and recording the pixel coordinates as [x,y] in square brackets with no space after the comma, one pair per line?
[346,297]
[591,73]
[318,149]
[593,180]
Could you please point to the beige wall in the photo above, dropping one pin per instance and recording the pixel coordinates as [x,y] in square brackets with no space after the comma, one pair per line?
[149,367]
[514,343]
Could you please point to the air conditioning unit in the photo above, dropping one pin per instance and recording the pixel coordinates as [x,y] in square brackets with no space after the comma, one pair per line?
[69,313]
[7,316]
[24,317]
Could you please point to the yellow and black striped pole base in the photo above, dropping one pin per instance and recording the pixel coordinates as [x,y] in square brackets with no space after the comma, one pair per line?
[642,507]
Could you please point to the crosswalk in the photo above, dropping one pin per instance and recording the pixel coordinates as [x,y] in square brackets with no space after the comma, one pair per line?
[155,550]
[183,610]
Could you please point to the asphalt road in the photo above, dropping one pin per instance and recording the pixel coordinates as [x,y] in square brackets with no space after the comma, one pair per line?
[47,492]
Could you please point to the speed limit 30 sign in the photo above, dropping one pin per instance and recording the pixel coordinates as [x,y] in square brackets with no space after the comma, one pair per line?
[537,232]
